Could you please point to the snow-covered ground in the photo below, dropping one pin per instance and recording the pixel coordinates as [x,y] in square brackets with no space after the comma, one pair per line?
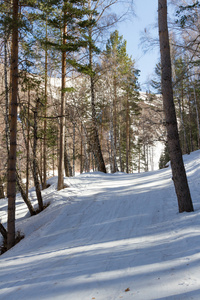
[107,237]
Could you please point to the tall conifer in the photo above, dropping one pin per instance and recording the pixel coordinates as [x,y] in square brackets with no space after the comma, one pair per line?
[178,169]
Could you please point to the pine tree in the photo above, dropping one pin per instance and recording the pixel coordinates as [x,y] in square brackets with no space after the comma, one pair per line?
[178,170]
[11,185]
[125,95]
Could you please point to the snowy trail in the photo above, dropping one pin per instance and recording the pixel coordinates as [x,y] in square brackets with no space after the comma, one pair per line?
[107,237]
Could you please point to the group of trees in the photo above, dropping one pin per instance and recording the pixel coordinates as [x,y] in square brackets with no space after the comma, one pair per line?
[70,96]
[184,43]
[180,86]
[175,153]
[53,125]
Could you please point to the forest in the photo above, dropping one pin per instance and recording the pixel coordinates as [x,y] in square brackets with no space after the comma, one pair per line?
[70,98]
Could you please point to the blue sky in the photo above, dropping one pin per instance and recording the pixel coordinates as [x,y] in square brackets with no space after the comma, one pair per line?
[132,29]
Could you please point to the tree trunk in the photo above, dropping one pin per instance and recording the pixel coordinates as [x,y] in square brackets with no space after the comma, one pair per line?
[115,111]
[183,128]
[11,186]
[178,169]
[139,159]
[6,95]
[44,181]
[39,165]
[197,117]
[67,165]
[120,152]
[35,166]
[25,196]
[74,147]
[53,160]
[190,122]
[97,147]
[114,167]
[62,114]
[127,135]
[81,154]
[1,189]
[28,145]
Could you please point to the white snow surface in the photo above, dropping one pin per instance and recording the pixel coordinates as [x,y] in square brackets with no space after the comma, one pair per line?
[107,237]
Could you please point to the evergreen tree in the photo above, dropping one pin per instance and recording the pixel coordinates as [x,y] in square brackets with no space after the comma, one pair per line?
[164,158]
[178,170]
[125,97]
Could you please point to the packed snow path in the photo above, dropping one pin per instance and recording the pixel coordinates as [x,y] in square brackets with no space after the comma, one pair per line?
[107,237]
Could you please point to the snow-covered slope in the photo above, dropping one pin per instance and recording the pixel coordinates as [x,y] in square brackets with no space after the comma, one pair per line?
[107,237]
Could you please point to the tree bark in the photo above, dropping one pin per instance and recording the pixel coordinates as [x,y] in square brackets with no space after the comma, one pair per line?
[67,165]
[114,167]
[62,113]
[28,145]
[178,169]
[97,147]
[35,165]
[11,186]
[183,128]
[115,110]
[74,147]
[44,181]
[190,122]
[81,154]
[6,95]
[197,117]
[1,188]
[25,196]
[127,135]
[120,152]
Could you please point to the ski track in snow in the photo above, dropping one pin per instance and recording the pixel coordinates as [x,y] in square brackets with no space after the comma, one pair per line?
[107,237]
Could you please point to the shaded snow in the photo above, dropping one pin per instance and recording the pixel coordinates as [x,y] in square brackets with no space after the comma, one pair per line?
[105,234]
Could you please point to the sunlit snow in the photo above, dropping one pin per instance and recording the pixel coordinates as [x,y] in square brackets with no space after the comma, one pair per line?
[107,237]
